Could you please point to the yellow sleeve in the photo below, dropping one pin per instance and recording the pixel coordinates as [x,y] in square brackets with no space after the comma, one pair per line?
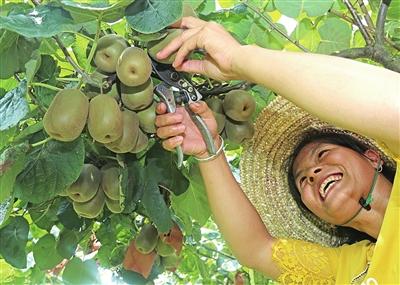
[303,262]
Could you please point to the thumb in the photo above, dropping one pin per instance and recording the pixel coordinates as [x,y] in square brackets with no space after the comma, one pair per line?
[201,108]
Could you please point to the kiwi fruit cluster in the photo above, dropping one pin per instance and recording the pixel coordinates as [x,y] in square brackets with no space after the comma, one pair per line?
[117,117]
[233,114]
[95,188]
[148,240]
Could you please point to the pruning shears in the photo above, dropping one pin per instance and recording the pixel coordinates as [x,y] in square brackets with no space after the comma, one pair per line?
[174,90]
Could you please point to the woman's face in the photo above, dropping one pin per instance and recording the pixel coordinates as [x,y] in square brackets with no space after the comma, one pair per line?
[331,179]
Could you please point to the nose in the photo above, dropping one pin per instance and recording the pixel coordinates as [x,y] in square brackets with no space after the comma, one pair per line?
[312,173]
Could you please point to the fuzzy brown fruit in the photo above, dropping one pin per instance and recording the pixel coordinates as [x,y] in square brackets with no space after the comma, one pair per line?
[87,184]
[239,105]
[141,143]
[67,115]
[137,97]
[105,119]
[146,240]
[127,141]
[92,208]
[108,50]
[113,205]
[110,181]
[155,46]
[237,132]
[147,118]
[133,67]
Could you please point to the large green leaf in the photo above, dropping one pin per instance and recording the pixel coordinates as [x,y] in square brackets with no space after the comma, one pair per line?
[12,162]
[15,51]
[45,254]
[307,34]
[293,8]
[335,35]
[394,10]
[193,202]
[154,202]
[67,216]
[41,22]
[165,171]
[13,107]
[67,243]
[149,16]
[13,239]
[50,170]
[81,272]
[89,10]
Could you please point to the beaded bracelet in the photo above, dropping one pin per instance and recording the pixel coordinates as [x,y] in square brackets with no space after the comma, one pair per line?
[214,156]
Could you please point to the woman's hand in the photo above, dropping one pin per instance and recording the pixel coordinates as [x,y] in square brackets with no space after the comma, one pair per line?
[219,45]
[179,129]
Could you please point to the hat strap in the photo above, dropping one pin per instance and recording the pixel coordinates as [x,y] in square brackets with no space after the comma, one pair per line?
[366,203]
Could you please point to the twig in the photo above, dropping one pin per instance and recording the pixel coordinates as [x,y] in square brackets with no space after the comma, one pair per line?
[366,15]
[376,53]
[41,142]
[358,22]
[51,87]
[380,22]
[219,252]
[274,27]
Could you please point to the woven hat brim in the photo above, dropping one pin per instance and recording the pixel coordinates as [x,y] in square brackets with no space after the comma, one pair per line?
[278,130]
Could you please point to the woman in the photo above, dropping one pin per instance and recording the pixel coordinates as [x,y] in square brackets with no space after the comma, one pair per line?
[366,94]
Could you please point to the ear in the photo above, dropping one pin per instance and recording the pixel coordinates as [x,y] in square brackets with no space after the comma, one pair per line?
[373,157]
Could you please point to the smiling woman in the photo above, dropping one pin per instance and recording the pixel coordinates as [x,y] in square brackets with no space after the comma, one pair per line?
[338,183]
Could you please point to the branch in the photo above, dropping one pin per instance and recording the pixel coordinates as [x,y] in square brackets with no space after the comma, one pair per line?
[376,53]
[380,22]
[358,22]
[366,15]
[275,28]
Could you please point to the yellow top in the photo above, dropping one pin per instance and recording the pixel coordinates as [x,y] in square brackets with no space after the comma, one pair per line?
[363,262]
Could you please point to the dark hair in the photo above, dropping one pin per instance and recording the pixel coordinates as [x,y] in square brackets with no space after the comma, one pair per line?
[350,235]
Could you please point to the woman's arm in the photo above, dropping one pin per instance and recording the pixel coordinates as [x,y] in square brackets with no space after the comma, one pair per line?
[237,219]
[346,93]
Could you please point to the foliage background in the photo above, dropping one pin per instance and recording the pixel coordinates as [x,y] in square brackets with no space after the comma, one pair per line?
[43,49]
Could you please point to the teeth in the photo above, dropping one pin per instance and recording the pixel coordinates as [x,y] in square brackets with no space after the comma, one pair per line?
[328,183]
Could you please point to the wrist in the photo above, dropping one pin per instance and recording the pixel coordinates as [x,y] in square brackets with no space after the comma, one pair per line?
[205,155]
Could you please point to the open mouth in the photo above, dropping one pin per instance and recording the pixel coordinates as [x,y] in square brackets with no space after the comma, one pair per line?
[328,184]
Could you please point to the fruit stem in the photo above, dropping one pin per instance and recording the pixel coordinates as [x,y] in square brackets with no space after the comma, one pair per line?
[46,86]
[41,142]
[67,79]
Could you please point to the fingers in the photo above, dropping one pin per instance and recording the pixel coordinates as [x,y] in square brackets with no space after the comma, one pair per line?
[175,44]
[161,108]
[189,23]
[201,109]
[171,143]
[168,119]
[189,45]
[170,131]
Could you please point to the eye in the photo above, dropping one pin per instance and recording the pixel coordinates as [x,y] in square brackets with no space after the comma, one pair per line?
[302,179]
[322,152]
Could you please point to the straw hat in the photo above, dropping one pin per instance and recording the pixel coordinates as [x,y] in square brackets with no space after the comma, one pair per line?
[279,128]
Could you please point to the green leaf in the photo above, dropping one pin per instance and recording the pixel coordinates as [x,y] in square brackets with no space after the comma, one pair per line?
[15,51]
[45,253]
[394,10]
[85,11]
[12,162]
[164,170]
[307,34]
[81,272]
[44,215]
[293,8]
[50,170]
[67,243]
[149,16]
[13,107]
[154,202]
[317,8]
[193,202]
[13,239]
[290,8]
[6,136]
[335,35]
[67,216]
[32,66]
[43,21]
[31,129]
